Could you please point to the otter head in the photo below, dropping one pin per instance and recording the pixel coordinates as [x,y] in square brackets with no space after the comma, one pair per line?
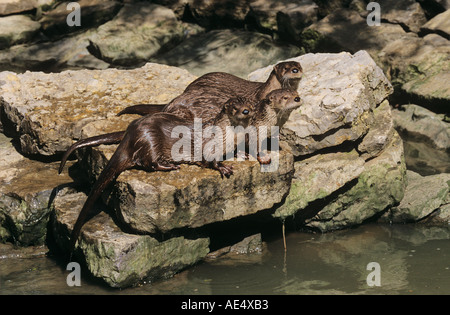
[239,111]
[288,74]
[284,100]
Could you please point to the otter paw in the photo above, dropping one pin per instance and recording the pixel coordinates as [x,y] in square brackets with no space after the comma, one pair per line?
[264,159]
[224,170]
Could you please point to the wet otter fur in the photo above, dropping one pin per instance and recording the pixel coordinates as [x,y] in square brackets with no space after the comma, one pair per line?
[206,95]
[213,89]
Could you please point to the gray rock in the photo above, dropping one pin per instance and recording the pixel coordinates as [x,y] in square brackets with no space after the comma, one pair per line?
[286,17]
[380,132]
[380,186]
[423,158]
[26,190]
[422,124]
[419,67]
[136,33]
[336,32]
[423,196]
[67,53]
[407,13]
[17,29]
[93,13]
[220,50]
[8,7]
[49,110]
[317,177]
[345,187]
[192,197]
[218,14]
[119,258]
[339,92]
[440,24]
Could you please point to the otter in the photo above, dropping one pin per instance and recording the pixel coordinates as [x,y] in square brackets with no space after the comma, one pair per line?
[206,94]
[271,111]
[274,110]
[213,89]
[148,143]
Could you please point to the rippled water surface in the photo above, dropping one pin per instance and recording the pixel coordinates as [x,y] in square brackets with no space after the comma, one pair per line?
[412,259]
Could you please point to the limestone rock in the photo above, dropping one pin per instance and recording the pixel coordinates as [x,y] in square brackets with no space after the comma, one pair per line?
[8,7]
[226,50]
[337,190]
[136,33]
[407,13]
[346,30]
[440,24]
[93,13]
[287,17]
[423,196]
[319,176]
[420,67]
[216,14]
[380,132]
[66,53]
[119,258]
[17,29]
[381,185]
[421,124]
[423,158]
[192,196]
[339,92]
[26,191]
[49,110]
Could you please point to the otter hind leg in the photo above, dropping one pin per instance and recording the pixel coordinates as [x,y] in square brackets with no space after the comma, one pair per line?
[263,158]
[224,170]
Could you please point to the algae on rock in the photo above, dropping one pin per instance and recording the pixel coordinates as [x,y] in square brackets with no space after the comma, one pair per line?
[119,258]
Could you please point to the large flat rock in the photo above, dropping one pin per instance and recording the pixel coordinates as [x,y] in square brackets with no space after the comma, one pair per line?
[49,110]
[192,196]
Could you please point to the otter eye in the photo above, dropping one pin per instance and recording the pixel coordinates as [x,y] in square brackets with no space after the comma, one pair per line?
[285,97]
[245,112]
[297,99]
[295,70]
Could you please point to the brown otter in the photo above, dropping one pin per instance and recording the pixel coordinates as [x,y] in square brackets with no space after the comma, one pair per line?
[267,112]
[148,144]
[206,96]
[213,89]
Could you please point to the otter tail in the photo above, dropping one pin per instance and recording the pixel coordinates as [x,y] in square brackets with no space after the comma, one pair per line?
[142,109]
[116,165]
[109,138]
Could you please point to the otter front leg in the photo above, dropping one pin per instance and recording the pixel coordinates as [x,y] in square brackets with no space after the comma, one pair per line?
[263,158]
[224,170]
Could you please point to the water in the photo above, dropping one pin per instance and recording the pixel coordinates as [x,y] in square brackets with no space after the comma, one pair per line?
[413,259]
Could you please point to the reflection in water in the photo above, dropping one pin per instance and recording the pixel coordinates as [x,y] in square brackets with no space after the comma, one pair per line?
[413,259]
